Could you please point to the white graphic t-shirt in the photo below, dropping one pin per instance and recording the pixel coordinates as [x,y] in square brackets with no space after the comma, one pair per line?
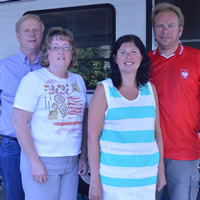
[58,106]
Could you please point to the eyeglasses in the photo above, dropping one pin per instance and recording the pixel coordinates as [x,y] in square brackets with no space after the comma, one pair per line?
[57,48]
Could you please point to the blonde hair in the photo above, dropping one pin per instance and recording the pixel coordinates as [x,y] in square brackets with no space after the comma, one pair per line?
[25,17]
[163,7]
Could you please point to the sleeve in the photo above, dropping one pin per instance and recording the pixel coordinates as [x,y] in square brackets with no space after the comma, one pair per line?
[27,94]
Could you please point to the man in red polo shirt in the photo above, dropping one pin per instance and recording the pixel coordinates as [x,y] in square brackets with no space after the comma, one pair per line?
[176,75]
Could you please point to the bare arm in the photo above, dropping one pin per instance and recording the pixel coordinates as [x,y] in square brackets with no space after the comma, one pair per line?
[83,167]
[161,181]
[98,106]
[20,121]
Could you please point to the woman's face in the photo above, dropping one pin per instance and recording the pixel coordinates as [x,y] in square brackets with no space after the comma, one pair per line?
[128,58]
[59,54]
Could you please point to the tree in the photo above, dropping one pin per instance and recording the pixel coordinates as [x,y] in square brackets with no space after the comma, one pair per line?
[92,65]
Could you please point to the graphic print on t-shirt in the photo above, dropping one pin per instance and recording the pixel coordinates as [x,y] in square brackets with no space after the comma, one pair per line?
[64,102]
[184,73]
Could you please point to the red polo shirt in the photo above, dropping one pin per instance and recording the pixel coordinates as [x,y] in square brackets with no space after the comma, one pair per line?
[177,80]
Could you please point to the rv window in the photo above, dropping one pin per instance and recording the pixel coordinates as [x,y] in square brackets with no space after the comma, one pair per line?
[94,32]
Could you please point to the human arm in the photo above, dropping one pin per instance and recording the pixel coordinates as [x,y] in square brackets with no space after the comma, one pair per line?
[20,122]
[161,181]
[97,108]
[83,167]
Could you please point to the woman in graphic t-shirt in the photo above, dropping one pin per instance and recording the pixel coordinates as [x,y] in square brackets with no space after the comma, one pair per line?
[49,111]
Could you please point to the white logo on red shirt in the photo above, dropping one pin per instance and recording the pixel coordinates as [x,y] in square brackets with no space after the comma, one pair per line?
[184,73]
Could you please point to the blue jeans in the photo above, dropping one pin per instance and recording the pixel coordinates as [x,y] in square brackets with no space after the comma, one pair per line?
[182,179]
[10,168]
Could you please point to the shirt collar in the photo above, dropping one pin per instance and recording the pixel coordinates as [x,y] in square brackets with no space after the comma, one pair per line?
[178,51]
[25,59]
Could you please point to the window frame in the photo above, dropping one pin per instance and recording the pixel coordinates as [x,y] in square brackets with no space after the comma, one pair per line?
[76,9]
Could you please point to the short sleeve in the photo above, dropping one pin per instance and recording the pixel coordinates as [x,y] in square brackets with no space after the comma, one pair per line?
[27,94]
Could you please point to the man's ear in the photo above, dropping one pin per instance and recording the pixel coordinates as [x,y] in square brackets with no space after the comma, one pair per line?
[17,36]
[180,31]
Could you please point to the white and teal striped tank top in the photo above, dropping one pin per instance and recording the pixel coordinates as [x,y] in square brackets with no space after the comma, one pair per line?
[128,150]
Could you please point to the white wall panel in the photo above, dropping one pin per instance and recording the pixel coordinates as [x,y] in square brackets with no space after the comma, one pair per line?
[130,17]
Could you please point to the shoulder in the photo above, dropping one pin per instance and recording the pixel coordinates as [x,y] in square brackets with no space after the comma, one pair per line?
[151,53]
[72,74]
[107,82]
[99,94]
[11,65]
[75,76]
[102,87]
[153,89]
[99,88]
[153,56]
[148,88]
[42,70]
[77,79]
[107,89]
[191,50]
[9,59]
[192,56]
[33,75]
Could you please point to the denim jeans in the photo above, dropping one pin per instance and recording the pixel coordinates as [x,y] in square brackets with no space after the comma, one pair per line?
[10,168]
[182,179]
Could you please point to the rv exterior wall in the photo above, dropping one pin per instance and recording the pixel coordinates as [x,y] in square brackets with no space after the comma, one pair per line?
[130,18]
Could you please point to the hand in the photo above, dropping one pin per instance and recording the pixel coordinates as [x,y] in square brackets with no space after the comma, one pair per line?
[161,180]
[39,172]
[82,164]
[95,190]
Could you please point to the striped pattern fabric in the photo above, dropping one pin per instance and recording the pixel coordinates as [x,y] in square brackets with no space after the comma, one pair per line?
[129,153]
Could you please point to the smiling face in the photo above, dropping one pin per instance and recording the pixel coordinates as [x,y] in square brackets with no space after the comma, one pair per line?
[59,56]
[128,58]
[30,35]
[167,30]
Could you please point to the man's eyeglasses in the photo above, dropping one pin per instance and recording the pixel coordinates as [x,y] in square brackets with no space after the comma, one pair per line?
[57,48]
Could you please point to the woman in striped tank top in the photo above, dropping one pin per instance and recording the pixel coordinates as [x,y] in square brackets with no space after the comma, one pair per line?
[125,145]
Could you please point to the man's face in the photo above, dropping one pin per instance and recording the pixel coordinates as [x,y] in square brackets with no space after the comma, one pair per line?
[30,35]
[167,30]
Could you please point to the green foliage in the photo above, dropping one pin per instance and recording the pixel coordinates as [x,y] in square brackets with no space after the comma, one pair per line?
[92,66]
